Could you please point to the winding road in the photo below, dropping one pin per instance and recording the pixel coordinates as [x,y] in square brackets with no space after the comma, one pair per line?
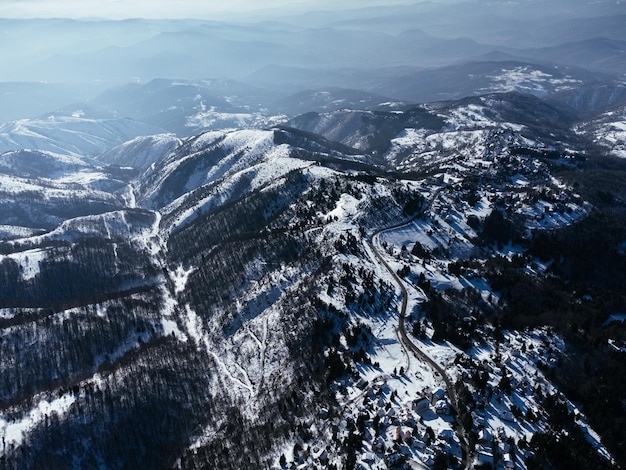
[417,352]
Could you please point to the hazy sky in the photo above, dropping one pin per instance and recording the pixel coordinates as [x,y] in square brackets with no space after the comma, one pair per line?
[165,8]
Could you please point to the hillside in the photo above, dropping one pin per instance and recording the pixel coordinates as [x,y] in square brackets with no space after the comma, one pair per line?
[313,235]
[74,134]
[374,288]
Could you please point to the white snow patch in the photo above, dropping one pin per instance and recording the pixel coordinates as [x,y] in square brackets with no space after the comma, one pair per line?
[346,208]
[15,432]
[528,80]
[29,262]
[180,277]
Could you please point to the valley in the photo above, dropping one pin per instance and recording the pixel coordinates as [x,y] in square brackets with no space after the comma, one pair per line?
[411,255]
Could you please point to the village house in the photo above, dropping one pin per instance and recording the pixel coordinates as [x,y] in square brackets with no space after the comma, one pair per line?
[320,455]
[438,395]
[442,407]
[484,456]
[446,435]
[421,404]
[484,437]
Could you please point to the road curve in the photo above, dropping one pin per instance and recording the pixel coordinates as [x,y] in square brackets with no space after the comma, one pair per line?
[421,355]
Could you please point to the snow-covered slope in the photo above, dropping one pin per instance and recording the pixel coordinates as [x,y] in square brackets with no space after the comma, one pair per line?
[39,190]
[200,161]
[444,127]
[608,130]
[114,225]
[141,152]
[71,135]
[367,131]
[231,164]
[38,164]
[188,107]
[274,298]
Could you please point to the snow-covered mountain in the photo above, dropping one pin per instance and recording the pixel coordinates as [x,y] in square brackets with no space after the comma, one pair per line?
[40,190]
[35,164]
[71,134]
[608,130]
[188,107]
[595,98]
[444,128]
[358,287]
[363,237]
[141,152]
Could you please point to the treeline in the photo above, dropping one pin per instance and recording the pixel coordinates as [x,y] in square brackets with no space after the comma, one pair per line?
[139,415]
[36,209]
[59,350]
[88,271]
[250,215]
[586,284]
[309,329]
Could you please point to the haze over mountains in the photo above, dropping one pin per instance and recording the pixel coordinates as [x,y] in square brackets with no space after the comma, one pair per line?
[387,50]
[313,236]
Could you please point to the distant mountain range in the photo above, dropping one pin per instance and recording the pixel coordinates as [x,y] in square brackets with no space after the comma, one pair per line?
[186,107]
[381,51]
